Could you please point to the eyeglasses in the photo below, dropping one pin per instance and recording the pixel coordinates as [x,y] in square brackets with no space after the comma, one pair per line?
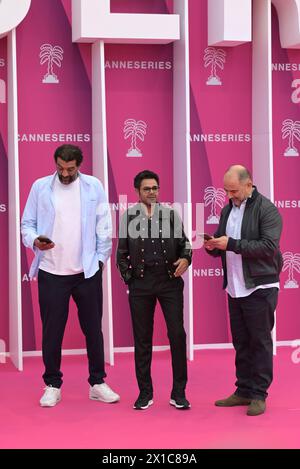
[149,189]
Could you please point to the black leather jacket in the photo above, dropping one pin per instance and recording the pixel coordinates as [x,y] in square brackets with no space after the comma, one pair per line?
[130,251]
[259,243]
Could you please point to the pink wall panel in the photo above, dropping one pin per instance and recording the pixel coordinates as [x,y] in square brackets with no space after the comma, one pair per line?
[3,196]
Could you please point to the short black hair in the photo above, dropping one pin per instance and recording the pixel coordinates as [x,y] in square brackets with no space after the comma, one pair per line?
[146,174]
[69,153]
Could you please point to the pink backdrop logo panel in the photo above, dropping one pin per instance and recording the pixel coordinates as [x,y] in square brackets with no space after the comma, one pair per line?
[139,126]
[55,99]
[145,97]
[220,85]
[286,144]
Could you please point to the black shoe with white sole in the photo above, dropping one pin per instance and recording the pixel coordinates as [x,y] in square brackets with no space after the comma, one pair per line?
[180,403]
[143,402]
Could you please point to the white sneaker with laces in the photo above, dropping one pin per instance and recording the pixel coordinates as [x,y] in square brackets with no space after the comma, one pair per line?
[50,397]
[102,392]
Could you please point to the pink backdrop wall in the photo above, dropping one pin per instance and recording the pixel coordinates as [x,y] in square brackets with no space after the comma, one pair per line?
[220,136]
[139,86]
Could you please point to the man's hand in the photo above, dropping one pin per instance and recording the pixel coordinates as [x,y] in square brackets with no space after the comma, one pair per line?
[182,265]
[43,246]
[216,243]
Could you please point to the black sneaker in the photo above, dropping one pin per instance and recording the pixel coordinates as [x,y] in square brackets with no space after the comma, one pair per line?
[180,403]
[143,402]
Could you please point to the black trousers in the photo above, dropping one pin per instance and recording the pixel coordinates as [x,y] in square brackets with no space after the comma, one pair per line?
[54,296]
[143,294]
[252,320]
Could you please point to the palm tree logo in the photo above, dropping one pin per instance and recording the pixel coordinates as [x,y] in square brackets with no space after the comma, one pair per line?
[214,197]
[135,130]
[291,129]
[215,58]
[291,262]
[52,55]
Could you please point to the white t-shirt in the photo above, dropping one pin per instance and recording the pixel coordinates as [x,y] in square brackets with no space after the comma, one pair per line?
[66,256]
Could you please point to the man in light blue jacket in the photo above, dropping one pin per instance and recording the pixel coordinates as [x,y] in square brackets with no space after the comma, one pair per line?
[67,223]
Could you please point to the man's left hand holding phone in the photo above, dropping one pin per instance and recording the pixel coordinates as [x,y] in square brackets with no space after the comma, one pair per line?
[43,243]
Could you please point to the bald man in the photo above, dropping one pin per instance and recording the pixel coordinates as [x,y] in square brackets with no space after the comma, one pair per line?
[247,240]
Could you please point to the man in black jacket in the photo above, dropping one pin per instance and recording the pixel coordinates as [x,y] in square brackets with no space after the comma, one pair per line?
[153,253]
[247,240]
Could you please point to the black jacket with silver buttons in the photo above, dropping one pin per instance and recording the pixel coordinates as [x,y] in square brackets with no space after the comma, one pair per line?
[167,227]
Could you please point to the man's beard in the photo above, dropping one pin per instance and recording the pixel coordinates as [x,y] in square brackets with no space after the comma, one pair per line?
[67,180]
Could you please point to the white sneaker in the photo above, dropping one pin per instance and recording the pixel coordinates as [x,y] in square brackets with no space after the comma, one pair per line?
[102,392]
[50,397]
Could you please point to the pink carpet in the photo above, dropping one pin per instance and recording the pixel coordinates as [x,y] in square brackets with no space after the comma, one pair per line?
[77,422]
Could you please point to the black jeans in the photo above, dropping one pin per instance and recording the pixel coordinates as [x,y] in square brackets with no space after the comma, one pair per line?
[252,320]
[54,296]
[143,294]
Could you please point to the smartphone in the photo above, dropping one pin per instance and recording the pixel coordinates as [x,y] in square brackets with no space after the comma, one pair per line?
[206,236]
[44,239]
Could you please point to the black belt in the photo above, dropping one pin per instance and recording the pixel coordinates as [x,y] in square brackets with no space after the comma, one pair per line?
[154,266]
